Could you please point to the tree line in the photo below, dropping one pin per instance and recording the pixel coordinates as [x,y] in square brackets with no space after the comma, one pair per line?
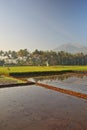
[41,58]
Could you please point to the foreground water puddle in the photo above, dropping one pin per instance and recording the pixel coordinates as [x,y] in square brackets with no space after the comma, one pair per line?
[36,108]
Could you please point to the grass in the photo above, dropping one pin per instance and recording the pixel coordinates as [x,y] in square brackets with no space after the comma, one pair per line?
[20,69]
[9,80]
[5,71]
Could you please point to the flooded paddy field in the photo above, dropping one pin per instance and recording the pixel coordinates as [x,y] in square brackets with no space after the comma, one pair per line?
[34,107]
[70,81]
[37,108]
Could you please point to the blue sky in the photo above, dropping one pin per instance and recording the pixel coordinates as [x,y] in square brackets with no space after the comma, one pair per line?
[42,24]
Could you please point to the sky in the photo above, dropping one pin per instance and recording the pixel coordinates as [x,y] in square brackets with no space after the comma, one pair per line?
[42,24]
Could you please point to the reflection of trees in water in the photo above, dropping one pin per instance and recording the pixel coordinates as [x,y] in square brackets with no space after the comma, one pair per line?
[59,77]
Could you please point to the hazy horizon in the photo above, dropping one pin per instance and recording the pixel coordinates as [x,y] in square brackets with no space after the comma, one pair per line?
[42,24]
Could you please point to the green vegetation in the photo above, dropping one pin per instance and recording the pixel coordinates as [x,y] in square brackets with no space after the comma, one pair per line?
[21,69]
[41,58]
[9,80]
[23,61]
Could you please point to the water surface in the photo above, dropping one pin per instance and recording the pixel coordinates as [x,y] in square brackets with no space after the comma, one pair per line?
[74,82]
[36,108]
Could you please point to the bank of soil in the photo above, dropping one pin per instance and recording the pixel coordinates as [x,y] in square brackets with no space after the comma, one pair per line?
[39,73]
[7,81]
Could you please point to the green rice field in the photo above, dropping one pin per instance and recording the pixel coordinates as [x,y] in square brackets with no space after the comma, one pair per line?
[20,69]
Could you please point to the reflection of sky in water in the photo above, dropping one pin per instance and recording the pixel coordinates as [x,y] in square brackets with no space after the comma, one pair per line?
[33,108]
[76,83]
